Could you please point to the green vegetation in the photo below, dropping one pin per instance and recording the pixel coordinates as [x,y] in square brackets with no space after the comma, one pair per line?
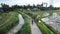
[26,27]
[7,21]
[52,29]
[10,19]
[43,28]
[50,12]
[40,13]
[46,29]
[42,25]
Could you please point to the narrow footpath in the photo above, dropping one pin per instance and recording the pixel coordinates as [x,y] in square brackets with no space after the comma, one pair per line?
[15,29]
[34,27]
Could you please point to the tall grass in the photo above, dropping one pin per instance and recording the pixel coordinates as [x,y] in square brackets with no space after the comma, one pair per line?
[26,27]
[7,21]
[42,26]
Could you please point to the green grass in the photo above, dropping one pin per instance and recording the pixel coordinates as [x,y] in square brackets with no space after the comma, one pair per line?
[7,21]
[26,27]
[52,29]
[5,17]
[43,28]
[40,13]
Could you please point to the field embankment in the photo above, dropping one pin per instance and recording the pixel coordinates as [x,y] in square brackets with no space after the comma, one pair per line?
[7,21]
[26,27]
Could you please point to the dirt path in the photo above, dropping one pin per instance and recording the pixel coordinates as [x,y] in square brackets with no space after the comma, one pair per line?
[34,27]
[15,29]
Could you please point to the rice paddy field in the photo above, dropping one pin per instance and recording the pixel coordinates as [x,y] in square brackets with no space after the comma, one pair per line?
[10,19]
[26,29]
[7,21]
[43,27]
[41,13]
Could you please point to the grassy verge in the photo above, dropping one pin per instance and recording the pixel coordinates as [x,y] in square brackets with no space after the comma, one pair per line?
[7,21]
[52,29]
[42,26]
[26,27]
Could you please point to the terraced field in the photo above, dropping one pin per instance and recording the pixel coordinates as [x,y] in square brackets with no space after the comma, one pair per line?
[38,15]
[41,13]
[7,21]
[26,29]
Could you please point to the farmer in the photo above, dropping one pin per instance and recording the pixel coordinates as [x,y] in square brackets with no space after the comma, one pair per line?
[32,22]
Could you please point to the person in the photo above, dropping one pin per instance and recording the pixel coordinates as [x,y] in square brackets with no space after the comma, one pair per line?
[32,22]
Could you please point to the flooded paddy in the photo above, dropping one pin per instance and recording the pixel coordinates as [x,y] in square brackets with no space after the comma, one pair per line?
[53,21]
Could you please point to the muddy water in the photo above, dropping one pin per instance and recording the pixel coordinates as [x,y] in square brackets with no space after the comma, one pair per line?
[15,29]
[46,14]
[53,21]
